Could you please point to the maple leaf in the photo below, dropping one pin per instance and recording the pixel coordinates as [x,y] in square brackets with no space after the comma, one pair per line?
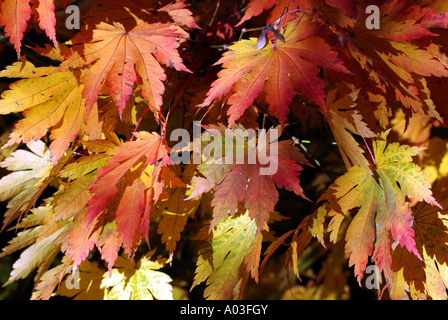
[129,215]
[279,70]
[435,279]
[126,187]
[431,231]
[343,119]
[141,281]
[109,243]
[47,283]
[127,281]
[234,183]
[402,231]
[72,198]
[40,240]
[31,170]
[25,69]
[381,200]
[80,238]
[221,258]
[32,227]
[301,237]
[117,56]
[84,165]
[176,212]
[392,60]
[39,255]
[86,284]
[70,201]
[256,7]
[425,275]
[73,195]
[52,100]
[180,14]
[433,15]
[14,15]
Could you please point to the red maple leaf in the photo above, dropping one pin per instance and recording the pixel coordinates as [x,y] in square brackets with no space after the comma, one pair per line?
[280,69]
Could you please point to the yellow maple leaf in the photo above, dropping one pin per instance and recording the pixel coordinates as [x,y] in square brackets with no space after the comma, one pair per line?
[380,201]
[140,281]
[53,100]
[176,213]
[21,186]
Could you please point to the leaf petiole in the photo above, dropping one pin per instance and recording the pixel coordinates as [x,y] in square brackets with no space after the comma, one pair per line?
[370,151]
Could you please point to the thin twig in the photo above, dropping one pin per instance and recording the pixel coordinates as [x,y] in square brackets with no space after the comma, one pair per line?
[214,14]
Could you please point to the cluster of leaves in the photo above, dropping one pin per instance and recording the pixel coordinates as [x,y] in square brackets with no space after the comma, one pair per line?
[98,181]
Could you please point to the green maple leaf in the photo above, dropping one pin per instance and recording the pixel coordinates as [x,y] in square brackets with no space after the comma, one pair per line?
[380,201]
[222,256]
[142,281]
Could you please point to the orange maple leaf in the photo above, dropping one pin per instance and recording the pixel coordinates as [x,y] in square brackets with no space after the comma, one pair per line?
[255,8]
[180,14]
[280,9]
[393,60]
[234,183]
[116,213]
[128,186]
[280,69]
[120,58]
[14,15]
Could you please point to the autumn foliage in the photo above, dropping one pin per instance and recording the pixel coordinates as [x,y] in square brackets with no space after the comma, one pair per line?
[361,162]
